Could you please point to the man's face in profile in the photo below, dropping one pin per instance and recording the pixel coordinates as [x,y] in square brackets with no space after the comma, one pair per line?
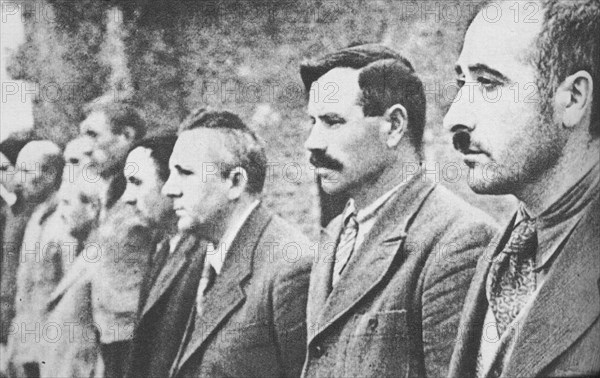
[106,149]
[346,148]
[7,173]
[143,191]
[37,173]
[79,205]
[199,193]
[498,103]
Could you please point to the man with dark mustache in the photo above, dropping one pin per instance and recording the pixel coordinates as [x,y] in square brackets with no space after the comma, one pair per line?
[391,273]
[533,308]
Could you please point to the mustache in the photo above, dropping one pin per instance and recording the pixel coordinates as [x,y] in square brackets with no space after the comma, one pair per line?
[320,159]
[461,141]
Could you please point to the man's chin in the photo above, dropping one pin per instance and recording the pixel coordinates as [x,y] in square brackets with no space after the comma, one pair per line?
[332,188]
[184,225]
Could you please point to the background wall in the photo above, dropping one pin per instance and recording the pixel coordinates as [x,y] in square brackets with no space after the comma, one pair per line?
[173,56]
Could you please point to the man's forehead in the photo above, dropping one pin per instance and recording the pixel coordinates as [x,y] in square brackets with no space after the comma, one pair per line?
[337,88]
[95,119]
[139,159]
[501,36]
[38,152]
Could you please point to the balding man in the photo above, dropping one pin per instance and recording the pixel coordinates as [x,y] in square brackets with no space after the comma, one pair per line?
[14,215]
[39,170]
[533,307]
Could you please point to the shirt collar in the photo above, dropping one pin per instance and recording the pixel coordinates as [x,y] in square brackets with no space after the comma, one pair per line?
[554,224]
[8,197]
[371,210]
[215,255]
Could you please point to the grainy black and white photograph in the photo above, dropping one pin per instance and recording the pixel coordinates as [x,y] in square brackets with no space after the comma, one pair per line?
[300,188]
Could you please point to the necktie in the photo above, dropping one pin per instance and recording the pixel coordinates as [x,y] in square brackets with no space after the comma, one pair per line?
[511,279]
[206,281]
[347,241]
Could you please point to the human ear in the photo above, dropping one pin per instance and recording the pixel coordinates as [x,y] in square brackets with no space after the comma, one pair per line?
[238,180]
[575,95]
[397,117]
[129,133]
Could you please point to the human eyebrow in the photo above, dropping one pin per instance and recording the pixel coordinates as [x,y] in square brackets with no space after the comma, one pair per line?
[91,133]
[134,180]
[182,171]
[484,68]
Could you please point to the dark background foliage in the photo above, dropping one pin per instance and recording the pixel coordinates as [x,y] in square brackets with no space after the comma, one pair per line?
[170,57]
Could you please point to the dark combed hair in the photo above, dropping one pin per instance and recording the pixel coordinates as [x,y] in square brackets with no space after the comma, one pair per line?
[569,42]
[161,148]
[244,145]
[12,145]
[386,78]
[120,116]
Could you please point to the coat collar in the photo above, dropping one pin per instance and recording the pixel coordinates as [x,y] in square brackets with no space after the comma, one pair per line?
[566,305]
[227,292]
[174,265]
[464,357]
[380,251]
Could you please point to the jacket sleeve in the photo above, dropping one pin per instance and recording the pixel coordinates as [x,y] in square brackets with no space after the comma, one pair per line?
[290,294]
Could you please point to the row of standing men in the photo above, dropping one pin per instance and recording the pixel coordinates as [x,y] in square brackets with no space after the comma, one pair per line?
[181,270]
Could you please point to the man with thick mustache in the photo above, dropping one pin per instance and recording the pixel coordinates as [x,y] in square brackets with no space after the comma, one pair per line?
[533,308]
[390,278]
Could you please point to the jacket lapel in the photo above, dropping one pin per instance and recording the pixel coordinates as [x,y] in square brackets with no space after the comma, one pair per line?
[227,292]
[322,270]
[175,263]
[380,251]
[464,357]
[566,305]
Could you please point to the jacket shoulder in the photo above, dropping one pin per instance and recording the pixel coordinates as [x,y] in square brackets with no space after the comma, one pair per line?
[284,244]
[447,211]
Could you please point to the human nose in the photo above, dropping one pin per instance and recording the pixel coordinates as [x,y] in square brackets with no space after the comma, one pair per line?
[316,139]
[170,188]
[128,197]
[460,116]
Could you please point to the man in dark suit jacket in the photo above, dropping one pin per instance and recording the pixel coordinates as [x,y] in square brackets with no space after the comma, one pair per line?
[533,308]
[388,285]
[242,302]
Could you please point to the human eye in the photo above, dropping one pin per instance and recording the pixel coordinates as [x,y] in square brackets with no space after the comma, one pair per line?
[488,83]
[135,181]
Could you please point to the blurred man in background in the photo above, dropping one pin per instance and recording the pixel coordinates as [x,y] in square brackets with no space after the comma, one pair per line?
[14,214]
[392,270]
[109,130]
[74,353]
[146,171]
[121,275]
[39,166]
[533,308]
[103,287]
